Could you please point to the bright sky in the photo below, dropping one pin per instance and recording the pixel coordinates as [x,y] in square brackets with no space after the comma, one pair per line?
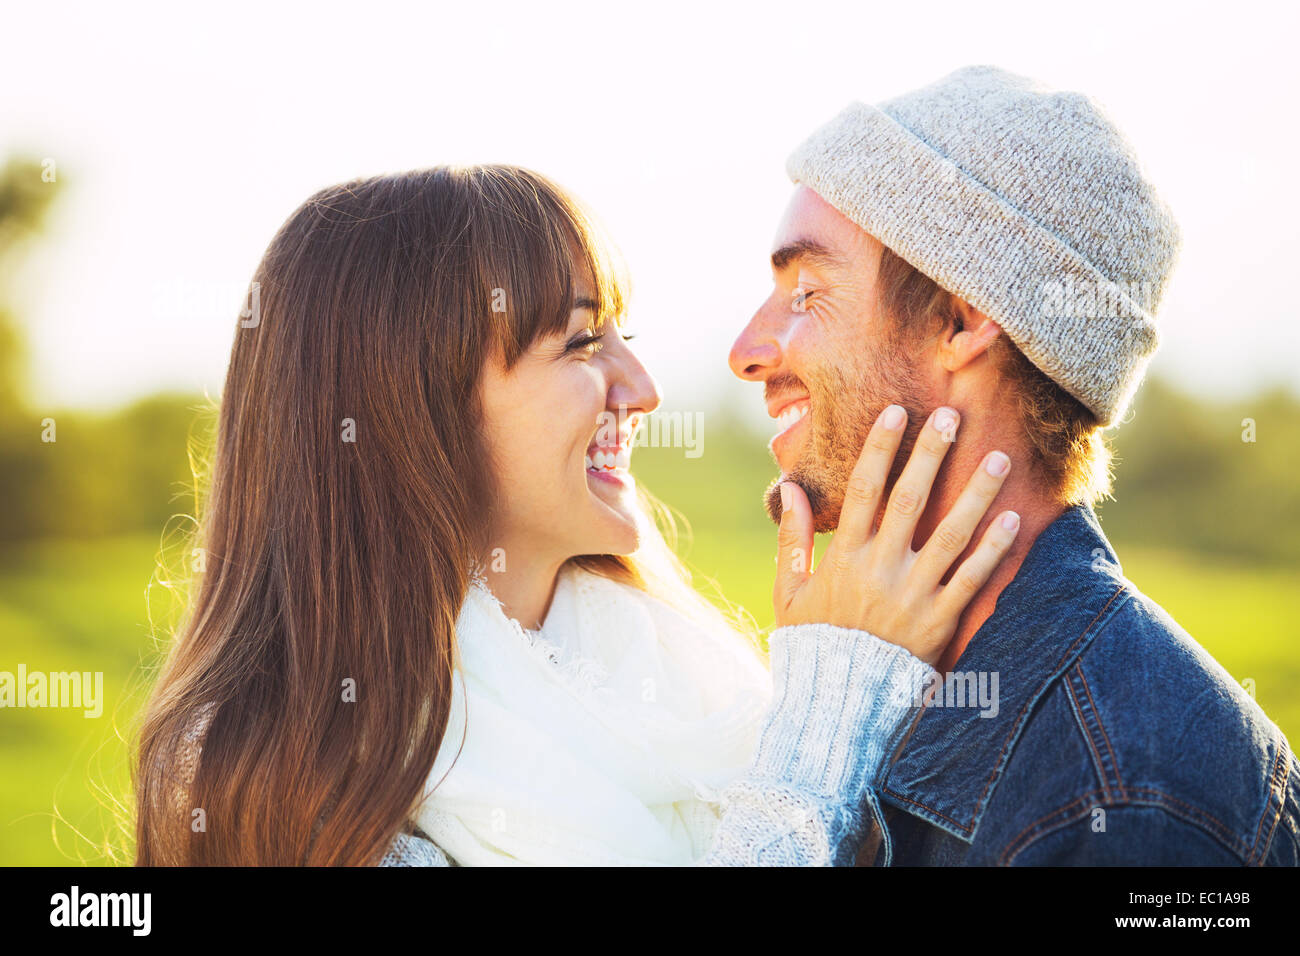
[184,136]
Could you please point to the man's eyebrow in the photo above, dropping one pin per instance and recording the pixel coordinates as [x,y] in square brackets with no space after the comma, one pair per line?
[809,250]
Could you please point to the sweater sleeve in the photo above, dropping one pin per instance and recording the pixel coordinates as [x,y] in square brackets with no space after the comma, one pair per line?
[842,699]
[414,849]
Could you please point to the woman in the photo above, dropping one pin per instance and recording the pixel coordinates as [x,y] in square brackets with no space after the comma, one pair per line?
[433,600]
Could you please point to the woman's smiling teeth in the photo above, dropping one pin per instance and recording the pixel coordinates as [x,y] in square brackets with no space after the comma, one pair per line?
[791,415]
[608,459]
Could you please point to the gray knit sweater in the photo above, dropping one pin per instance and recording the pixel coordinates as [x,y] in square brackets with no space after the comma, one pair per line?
[841,701]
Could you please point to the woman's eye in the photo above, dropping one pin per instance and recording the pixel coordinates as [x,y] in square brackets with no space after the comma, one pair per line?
[590,342]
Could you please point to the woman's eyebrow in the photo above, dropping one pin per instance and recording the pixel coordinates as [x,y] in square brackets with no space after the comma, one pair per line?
[583,302]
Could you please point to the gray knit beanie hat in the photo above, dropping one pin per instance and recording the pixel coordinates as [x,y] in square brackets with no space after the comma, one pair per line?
[1026,202]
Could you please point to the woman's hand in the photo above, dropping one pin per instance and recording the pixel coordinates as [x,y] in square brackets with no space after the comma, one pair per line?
[872,580]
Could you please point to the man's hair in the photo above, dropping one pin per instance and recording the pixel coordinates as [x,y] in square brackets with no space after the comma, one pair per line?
[1069,451]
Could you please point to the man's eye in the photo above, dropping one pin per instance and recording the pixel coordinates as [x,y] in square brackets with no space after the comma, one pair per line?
[799,299]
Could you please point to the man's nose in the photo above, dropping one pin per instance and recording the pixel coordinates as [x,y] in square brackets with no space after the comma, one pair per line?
[757,351]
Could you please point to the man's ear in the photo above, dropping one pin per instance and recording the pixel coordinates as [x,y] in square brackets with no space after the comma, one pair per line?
[968,339]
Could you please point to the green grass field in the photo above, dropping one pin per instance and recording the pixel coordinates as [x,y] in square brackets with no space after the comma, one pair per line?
[68,606]
[81,606]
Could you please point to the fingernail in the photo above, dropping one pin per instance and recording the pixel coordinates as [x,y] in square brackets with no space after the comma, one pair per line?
[945,419]
[893,417]
[785,497]
[997,464]
[1011,521]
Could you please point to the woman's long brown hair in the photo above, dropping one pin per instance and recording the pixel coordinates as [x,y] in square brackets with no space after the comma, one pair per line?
[344,514]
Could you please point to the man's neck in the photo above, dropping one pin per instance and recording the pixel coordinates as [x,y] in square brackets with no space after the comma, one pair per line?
[1020,493]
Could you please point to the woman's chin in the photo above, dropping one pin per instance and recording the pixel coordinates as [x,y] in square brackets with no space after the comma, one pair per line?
[617,537]
[616,526]
[612,531]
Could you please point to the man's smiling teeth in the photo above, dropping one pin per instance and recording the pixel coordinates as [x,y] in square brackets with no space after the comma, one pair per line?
[792,414]
[609,460]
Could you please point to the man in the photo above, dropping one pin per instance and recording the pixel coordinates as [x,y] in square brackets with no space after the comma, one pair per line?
[992,247]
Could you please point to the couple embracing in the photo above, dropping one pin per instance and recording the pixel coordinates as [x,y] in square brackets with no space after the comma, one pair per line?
[360,681]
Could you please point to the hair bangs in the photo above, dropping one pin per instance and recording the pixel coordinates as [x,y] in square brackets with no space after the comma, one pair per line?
[540,251]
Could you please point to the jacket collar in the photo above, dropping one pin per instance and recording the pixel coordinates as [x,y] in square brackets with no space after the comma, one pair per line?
[1065,590]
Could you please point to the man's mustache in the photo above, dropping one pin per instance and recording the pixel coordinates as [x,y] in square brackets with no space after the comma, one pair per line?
[781,383]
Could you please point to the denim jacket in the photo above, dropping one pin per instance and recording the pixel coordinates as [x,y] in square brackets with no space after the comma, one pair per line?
[1101,734]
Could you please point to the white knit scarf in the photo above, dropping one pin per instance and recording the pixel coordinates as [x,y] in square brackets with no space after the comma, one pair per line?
[603,739]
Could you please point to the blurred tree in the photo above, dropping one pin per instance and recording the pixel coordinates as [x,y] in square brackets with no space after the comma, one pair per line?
[1213,477]
[24,201]
[124,471]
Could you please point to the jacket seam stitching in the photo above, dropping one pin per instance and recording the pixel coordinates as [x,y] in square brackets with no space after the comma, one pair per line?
[1174,808]
[922,806]
[1007,854]
[1114,757]
[1077,707]
[1276,786]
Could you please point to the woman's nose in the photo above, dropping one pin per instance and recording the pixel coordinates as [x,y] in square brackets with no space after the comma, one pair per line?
[634,388]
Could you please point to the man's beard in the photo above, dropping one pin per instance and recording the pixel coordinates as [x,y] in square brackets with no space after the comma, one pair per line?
[844,407]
